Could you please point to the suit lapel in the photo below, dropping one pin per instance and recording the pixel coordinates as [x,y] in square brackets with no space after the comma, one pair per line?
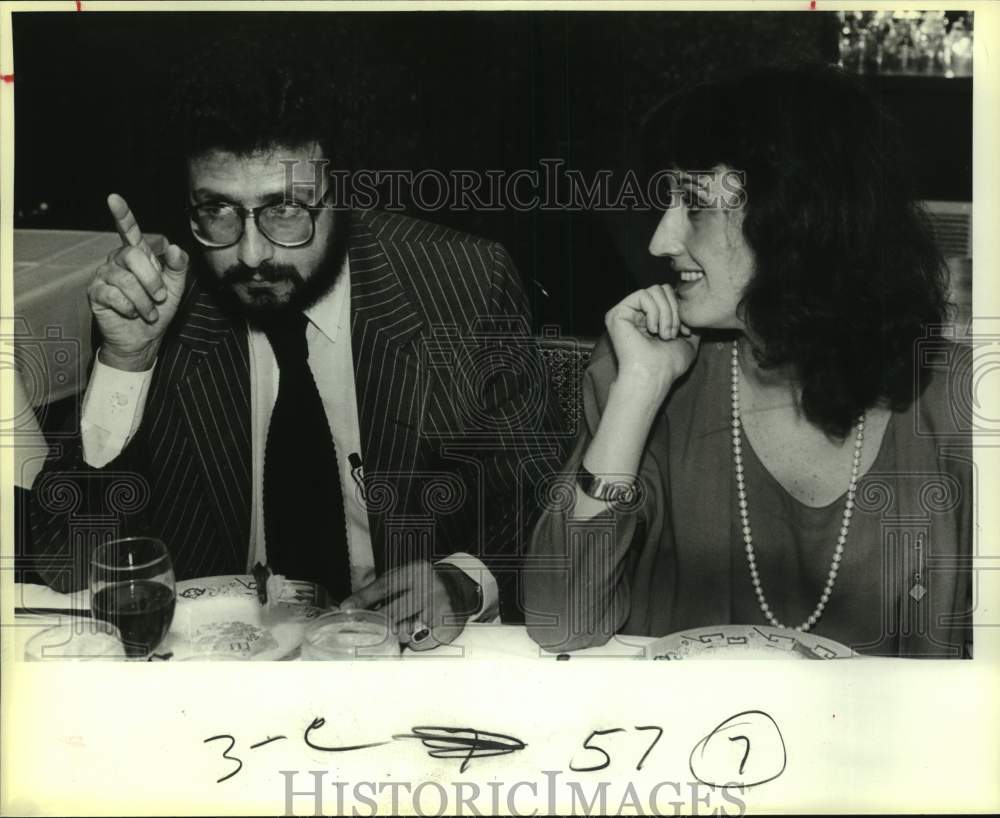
[214,395]
[391,392]
[213,389]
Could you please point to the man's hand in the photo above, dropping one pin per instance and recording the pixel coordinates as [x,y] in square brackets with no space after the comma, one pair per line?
[421,597]
[134,296]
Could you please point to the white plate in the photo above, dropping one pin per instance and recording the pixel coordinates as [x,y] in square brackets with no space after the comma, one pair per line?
[746,642]
[220,618]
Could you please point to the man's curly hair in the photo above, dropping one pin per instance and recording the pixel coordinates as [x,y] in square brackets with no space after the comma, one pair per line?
[847,273]
[252,88]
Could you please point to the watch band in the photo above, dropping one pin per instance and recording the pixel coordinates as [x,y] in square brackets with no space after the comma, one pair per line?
[614,491]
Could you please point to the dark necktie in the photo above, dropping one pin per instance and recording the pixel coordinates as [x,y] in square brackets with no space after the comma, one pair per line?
[303,504]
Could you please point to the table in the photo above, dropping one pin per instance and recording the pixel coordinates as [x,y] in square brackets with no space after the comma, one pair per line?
[52,269]
[479,640]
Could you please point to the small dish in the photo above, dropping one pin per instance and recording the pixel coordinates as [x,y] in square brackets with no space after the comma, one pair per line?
[357,634]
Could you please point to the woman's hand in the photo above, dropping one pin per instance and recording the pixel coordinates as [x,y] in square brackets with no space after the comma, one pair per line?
[653,347]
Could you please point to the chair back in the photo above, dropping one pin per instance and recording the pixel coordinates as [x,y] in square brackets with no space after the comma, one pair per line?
[566,359]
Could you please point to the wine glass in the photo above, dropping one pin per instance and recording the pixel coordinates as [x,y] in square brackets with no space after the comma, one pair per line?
[132,587]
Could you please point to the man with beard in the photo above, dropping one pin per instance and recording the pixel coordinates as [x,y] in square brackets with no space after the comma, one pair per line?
[315,389]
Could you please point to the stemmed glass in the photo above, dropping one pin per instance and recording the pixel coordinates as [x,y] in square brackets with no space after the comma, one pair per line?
[132,587]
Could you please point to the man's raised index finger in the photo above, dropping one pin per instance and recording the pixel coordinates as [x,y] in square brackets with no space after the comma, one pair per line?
[128,229]
[125,223]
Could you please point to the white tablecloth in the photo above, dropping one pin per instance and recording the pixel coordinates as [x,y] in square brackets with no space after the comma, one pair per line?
[477,641]
[52,269]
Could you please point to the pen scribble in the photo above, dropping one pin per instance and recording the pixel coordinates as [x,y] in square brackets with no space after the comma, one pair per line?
[463,742]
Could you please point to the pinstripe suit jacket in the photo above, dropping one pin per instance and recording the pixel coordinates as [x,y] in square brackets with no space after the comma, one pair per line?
[456,424]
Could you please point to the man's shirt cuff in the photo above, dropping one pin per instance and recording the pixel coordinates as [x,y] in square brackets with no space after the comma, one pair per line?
[475,570]
[112,411]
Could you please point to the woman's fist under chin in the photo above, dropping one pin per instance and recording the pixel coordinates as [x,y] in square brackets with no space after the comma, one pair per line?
[653,347]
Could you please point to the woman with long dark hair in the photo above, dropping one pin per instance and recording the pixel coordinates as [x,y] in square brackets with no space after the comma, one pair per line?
[773,438]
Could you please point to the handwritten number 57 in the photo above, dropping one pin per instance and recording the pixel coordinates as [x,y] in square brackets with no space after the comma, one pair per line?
[588,745]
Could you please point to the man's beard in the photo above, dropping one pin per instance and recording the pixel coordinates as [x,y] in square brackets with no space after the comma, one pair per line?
[305,292]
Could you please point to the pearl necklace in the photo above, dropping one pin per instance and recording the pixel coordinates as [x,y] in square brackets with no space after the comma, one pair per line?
[838,552]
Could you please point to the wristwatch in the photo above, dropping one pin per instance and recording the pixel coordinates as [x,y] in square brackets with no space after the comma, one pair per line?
[619,492]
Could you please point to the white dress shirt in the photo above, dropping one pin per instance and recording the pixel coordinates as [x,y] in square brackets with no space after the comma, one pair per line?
[115,399]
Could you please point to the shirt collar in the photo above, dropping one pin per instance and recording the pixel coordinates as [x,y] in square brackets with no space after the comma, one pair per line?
[326,314]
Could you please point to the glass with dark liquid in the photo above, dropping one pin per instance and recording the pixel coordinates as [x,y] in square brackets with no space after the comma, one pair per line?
[132,587]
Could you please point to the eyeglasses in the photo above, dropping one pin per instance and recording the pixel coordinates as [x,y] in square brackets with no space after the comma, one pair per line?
[287,224]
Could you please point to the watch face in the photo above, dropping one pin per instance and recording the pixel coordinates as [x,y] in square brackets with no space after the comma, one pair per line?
[623,494]
[619,493]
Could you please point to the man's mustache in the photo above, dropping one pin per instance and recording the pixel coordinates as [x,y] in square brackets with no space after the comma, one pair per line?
[241,273]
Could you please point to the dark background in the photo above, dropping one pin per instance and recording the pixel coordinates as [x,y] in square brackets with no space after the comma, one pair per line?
[445,90]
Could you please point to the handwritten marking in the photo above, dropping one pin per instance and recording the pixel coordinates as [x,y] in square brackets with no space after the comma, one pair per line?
[225,755]
[812,5]
[443,742]
[746,752]
[587,745]
[712,765]
[659,735]
[466,743]
[7,77]
[79,5]
[317,723]
[268,740]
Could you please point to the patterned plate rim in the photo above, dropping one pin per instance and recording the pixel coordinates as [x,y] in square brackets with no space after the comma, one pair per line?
[806,645]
